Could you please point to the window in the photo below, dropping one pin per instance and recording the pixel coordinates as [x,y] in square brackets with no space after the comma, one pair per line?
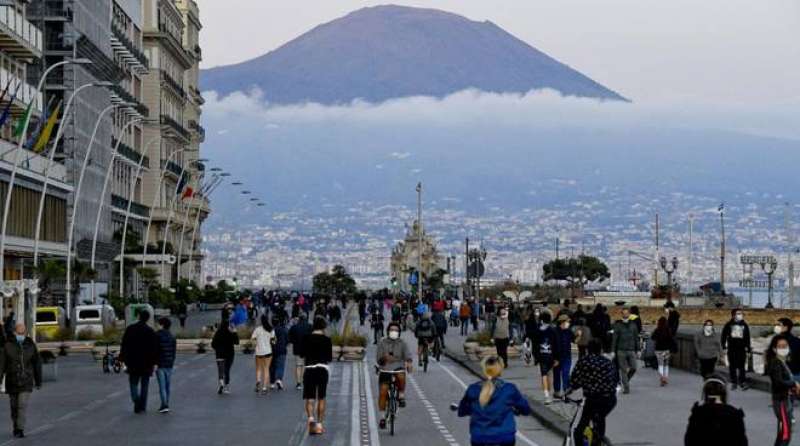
[45,316]
[88,314]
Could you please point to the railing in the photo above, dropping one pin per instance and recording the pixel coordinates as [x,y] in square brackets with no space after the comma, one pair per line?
[49,8]
[130,153]
[166,120]
[127,97]
[126,42]
[194,125]
[171,166]
[26,91]
[136,208]
[21,28]
[177,86]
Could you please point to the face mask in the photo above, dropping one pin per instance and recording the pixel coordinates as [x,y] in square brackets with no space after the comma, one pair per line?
[708,330]
[565,325]
[626,319]
[536,313]
[20,338]
[778,329]
[739,317]
[394,334]
[782,352]
[503,315]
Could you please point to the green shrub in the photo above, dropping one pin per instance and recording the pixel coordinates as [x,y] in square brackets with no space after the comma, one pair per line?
[111,336]
[87,334]
[483,338]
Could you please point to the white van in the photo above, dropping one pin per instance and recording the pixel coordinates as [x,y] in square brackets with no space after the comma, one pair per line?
[94,318]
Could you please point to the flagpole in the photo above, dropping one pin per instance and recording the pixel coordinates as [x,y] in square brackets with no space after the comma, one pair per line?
[169,219]
[152,206]
[207,194]
[103,196]
[50,158]
[183,225]
[15,164]
[128,214]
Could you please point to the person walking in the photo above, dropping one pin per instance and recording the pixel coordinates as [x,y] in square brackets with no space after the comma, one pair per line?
[665,346]
[583,335]
[673,317]
[392,355]
[21,368]
[182,314]
[475,313]
[736,340]
[318,351]
[464,314]
[297,336]
[491,405]
[376,322]
[625,344]
[782,383]
[362,310]
[501,335]
[167,349]
[564,337]
[715,421]
[598,378]
[707,348]
[279,351]
[264,335]
[139,353]
[224,341]
[784,326]
[546,354]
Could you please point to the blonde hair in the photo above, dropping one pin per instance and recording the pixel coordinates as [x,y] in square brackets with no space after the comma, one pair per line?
[492,368]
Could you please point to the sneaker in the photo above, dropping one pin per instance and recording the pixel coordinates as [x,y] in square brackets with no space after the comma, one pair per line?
[220,389]
[279,384]
[258,387]
[226,390]
[19,433]
[557,395]
[164,409]
[264,391]
[298,386]
[382,423]
[548,401]
[272,386]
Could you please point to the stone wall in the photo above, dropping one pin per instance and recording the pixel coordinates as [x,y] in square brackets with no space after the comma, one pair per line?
[696,316]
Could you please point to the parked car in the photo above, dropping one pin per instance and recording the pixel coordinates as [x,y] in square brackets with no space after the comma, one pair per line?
[49,320]
[93,318]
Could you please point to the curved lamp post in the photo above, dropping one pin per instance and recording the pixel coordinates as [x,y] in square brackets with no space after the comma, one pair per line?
[15,167]
[186,216]
[50,159]
[169,219]
[212,187]
[85,164]
[128,214]
[103,195]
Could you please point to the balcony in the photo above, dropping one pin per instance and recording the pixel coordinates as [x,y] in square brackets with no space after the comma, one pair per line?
[127,97]
[176,86]
[131,54]
[24,95]
[199,129]
[171,125]
[130,153]
[50,11]
[121,203]
[172,167]
[18,36]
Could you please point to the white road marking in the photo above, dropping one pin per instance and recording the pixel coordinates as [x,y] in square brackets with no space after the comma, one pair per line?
[373,422]
[520,436]
[355,425]
[432,411]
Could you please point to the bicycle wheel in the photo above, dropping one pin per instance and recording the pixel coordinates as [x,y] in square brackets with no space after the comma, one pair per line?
[106,368]
[425,359]
[391,424]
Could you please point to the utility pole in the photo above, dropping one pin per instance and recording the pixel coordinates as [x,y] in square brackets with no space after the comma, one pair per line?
[691,252]
[789,262]
[467,288]
[722,249]
[558,240]
[657,257]
[419,251]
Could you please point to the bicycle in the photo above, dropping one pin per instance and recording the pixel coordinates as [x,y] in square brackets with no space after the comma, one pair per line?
[394,397]
[110,361]
[437,349]
[426,347]
[527,351]
[588,434]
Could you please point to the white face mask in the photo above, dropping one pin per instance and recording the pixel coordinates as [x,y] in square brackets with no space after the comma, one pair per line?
[565,325]
[778,329]
[503,315]
[394,334]
[739,317]
[782,352]
[708,330]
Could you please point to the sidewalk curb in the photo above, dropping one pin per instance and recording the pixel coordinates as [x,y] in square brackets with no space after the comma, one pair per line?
[542,413]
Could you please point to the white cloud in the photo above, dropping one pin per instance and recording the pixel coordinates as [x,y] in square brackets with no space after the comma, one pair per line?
[400,155]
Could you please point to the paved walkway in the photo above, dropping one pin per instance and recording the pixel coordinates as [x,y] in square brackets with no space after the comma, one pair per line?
[650,415]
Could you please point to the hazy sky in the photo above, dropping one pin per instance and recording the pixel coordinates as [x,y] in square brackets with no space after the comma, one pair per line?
[676,51]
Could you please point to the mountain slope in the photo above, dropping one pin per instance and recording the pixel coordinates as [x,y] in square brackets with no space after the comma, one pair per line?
[386,52]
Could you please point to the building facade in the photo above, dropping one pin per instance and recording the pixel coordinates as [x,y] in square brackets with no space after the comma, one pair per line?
[405,257]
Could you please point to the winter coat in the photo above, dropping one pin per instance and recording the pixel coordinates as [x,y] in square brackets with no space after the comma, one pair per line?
[281,345]
[664,341]
[139,349]
[297,334]
[736,336]
[707,347]
[167,347]
[626,337]
[493,423]
[780,377]
[440,322]
[21,366]
[223,342]
[565,338]
[713,423]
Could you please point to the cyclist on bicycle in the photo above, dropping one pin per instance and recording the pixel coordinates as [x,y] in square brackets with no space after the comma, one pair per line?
[491,405]
[392,355]
[425,333]
[597,376]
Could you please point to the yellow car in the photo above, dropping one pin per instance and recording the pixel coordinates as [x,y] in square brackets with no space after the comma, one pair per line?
[49,321]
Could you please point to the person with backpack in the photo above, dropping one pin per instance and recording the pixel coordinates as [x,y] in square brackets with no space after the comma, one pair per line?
[297,335]
[492,405]
[441,326]
[425,332]
[625,344]
[546,354]
[715,421]
[224,341]
[665,345]
[167,349]
[736,340]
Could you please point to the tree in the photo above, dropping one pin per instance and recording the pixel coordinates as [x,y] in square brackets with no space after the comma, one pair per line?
[47,272]
[336,283]
[149,278]
[576,271]
[435,281]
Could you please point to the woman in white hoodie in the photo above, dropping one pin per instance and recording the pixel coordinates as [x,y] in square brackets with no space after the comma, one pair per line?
[264,336]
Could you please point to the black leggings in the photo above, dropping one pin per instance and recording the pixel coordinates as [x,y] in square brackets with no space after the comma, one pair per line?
[224,369]
[595,409]
[707,367]
[502,349]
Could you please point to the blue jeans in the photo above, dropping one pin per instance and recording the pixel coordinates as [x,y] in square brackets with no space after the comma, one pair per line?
[561,375]
[276,368]
[164,376]
[139,385]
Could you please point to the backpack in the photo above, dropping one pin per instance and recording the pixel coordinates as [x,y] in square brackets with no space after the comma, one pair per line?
[425,328]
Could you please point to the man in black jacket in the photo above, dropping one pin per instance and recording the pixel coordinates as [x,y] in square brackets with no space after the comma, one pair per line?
[21,367]
[736,340]
[297,335]
[167,347]
[139,352]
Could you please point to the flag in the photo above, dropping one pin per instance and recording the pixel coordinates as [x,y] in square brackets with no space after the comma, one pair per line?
[34,135]
[7,110]
[182,182]
[44,138]
[187,193]
[5,90]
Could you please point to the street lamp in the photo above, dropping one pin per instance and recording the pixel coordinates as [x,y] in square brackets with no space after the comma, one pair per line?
[669,267]
[186,217]
[15,167]
[76,200]
[769,267]
[169,216]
